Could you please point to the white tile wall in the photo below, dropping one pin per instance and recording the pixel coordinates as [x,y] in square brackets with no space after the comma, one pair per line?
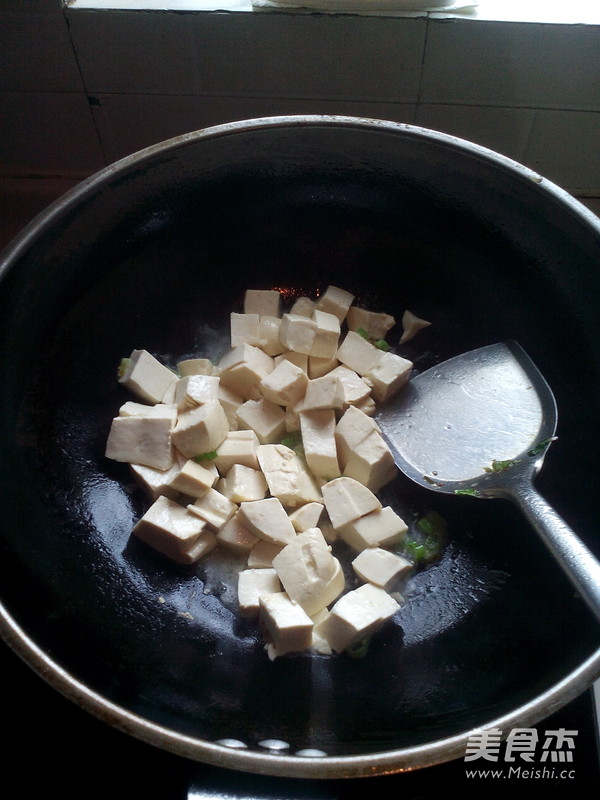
[80,88]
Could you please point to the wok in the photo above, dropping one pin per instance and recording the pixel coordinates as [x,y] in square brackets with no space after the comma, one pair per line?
[153,252]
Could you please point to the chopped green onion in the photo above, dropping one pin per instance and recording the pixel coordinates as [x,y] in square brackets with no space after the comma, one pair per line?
[358,649]
[500,466]
[362,332]
[541,446]
[123,366]
[382,345]
[206,456]
[472,492]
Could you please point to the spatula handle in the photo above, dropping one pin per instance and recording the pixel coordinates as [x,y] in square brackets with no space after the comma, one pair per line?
[577,561]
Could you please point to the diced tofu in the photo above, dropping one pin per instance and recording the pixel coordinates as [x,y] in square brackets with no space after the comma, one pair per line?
[192,479]
[307,516]
[354,388]
[317,367]
[156,482]
[346,500]
[303,307]
[145,440]
[367,406]
[168,528]
[263,553]
[214,508]
[263,302]
[285,385]
[236,537]
[252,585]
[308,571]
[244,483]
[335,301]
[268,329]
[133,409]
[146,377]
[195,366]
[358,354]
[299,359]
[204,544]
[200,430]
[318,439]
[266,419]
[325,392]
[238,447]
[363,453]
[196,390]
[230,401]
[286,627]
[356,615]
[411,325]
[326,339]
[376,324]
[244,328]
[287,477]
[243,367]
[381,567]
[389,375]
[382,528]
[297,333]
[268,520]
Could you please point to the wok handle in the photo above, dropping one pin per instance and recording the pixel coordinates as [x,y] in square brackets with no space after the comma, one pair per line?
[577,561]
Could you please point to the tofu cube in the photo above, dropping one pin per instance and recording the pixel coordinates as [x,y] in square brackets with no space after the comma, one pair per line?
[196,390]
[230,401]
[388,376]
[263,553]
[317,367]
[381,567]
[234,536]
[192,479]
[252,585]
[325,392]
[347,500]
[146,440]
[411,325]
[265,302]
[380,528]
[244,483]
[354,388]
[266,419]
[157,482]
[268,329]
[299,359]
[201,429]
[303,307]
[286,627]
[238,447]
[285,385]
[146,377]
[318,439]
[376,324]
[168,528]
[308,571]
[195,366]
[363,453]
[326,339]
[268,520]
[297,333]
[287,477]
[243,367]
[356,615]
[359,354]
[335,301]
[244,329]
[307,516]
[214,508]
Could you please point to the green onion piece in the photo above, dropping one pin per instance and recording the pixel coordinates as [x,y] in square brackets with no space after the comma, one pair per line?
[500,466]
[416,551]
[382,345]
[205,456]
[472,492]
[358,649]
[123,366]
[432,523]
[541,446]
[362,332]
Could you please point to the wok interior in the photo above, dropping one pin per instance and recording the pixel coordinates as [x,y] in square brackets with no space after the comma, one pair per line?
[155,256]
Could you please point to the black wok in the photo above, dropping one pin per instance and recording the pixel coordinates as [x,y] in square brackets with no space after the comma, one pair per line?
[154,252]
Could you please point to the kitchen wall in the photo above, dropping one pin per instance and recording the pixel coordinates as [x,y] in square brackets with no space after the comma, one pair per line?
[79,88]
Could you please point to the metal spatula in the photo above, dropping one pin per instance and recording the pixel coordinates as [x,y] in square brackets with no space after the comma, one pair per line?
[481,424]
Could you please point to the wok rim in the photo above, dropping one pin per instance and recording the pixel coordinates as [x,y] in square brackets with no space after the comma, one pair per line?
[245,759]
